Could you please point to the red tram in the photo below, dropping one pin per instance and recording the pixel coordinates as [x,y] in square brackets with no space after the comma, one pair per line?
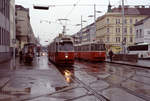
[90,51]
[61,50]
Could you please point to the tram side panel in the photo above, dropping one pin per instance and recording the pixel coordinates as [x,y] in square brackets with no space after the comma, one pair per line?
[90,55]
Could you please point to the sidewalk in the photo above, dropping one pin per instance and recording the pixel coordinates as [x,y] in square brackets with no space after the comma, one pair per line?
[27,81]
[140,63]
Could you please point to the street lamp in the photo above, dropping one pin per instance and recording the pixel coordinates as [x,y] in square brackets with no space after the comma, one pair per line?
[81,26]
[95,11]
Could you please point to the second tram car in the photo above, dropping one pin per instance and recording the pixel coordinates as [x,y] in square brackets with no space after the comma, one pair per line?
[90,51]
[61,50]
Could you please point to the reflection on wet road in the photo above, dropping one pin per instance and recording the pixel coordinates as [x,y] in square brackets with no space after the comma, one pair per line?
[115,82]
[43,81]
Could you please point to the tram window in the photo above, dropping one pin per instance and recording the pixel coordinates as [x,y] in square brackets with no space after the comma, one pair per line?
[66,46]
[92,47]
[79,48]
[96,47]
[87,48]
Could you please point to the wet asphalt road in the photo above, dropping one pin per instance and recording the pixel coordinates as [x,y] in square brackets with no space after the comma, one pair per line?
[43,81]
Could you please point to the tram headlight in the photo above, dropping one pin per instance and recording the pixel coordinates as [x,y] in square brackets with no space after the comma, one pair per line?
[66,56]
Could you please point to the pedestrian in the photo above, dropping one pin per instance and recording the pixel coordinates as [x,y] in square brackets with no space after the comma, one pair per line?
[20,57]
[111,54]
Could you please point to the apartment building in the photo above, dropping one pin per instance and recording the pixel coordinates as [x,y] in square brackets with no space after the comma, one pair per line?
[4,30]
[86,34]
[109,26]
[24,32]
[142,31]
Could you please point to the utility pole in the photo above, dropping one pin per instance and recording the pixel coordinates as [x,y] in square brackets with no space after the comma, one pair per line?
[64,30]
[123,24]
[81,29]
[63,25]
[94,21]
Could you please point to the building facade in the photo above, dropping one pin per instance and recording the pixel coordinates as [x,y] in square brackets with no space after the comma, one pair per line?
[86,34]
[24,32]
[4,30]
[12,26]
[109,26]
[142,31]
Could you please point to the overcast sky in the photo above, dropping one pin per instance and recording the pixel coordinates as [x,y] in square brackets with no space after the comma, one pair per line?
[47,32]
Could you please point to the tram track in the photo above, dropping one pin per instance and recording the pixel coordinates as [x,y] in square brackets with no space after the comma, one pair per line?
[142,96]
[99,96]
[94,92]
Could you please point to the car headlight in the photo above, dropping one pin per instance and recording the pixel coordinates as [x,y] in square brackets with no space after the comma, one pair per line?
[66,56]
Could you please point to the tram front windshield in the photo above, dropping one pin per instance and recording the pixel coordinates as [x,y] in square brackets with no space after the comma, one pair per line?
[67,46]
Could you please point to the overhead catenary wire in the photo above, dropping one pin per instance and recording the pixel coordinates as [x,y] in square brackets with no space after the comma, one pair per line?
[74,5]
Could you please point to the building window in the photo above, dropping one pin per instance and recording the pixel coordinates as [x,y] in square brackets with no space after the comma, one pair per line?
[125,21]
[125,30]
[131,39]
[148,32]
[1,4]
[131,21]
[136,33]
[117,39]
[136,20]
[107,39]
[117,21]
[107,30]
[140,33]
[107,20]
[131,30]
[0,36]
[117,30]
[125,39]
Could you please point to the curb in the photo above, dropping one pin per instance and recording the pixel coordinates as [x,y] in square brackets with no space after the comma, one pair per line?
[146,67]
